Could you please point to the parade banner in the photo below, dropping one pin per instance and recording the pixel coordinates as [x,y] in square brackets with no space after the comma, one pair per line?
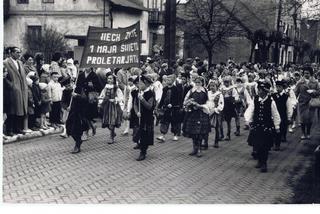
[112,48]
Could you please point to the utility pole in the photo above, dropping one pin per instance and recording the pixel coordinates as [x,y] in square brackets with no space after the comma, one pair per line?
[277,48]
[170,31]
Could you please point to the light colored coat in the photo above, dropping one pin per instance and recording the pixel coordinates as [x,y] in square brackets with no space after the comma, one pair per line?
[18,89]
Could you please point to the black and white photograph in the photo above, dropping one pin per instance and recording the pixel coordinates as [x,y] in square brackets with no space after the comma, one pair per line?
[160,102]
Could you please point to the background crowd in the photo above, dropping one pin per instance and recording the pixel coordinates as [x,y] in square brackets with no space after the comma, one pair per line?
[38,96]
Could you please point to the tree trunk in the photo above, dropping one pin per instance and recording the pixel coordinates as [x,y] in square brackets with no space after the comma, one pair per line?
[210,55]
[253,44]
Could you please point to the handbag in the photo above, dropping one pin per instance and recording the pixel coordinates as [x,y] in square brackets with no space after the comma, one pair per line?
[314,102]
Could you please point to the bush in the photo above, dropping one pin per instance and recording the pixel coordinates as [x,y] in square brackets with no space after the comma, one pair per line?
[49,42]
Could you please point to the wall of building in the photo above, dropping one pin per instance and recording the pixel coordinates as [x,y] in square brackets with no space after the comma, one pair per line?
[70,17]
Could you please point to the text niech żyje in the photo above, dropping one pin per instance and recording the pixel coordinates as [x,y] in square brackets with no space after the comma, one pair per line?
[112,47]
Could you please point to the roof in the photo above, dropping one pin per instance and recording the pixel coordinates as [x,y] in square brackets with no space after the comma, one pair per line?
[133,4]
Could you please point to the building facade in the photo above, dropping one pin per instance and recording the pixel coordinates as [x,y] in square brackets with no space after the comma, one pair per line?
[72,18]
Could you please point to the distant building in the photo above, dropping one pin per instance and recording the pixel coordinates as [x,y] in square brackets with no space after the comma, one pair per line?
[72,17]
[310,32]
[251,16]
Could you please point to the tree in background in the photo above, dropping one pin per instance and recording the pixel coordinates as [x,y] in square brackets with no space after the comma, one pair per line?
[208,22]
[48,42]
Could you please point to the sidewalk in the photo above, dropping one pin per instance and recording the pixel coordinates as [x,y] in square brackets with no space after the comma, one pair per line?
[32,135]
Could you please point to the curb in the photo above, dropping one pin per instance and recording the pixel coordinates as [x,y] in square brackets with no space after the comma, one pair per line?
[32,135]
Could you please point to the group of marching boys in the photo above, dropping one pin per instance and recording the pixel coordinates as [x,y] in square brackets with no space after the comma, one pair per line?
[194,104]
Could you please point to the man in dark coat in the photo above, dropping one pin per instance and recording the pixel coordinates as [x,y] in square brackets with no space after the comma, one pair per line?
[17,93]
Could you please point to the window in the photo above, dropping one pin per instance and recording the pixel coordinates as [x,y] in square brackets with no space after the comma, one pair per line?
[35,31]
[48,1]
[23,1]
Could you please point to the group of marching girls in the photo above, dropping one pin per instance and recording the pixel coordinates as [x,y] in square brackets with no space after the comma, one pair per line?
[194,101]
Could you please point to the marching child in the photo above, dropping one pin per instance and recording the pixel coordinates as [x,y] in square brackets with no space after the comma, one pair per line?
[147,100]
[263,117]
[111,103]
[170,104]
[197,120]
[230,98]
[216,107]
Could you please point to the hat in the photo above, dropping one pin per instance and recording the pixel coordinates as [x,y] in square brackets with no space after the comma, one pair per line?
[264,85]
[70,61]
[147,78]
[187,68]
[46,67]
[164,65]
[43,85]
[189,60]
[185,74]
[239,79]
[29,81]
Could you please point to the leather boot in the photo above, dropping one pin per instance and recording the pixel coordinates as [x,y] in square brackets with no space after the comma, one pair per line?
[258,166]
[199,154]
[237,133]
[264,168]
[75,150]
[141,157]
[195,149]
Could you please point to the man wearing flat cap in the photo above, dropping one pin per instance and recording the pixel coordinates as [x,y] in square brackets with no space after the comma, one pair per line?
[264,119]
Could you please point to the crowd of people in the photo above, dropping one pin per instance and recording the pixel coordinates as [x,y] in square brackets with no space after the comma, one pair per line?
[188,96]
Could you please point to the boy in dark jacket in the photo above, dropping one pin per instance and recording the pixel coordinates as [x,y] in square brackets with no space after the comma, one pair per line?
[171,105]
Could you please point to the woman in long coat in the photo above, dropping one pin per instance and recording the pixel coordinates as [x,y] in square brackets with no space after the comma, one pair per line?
[307,88]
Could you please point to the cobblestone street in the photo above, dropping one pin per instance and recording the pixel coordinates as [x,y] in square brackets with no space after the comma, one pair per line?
[43,171]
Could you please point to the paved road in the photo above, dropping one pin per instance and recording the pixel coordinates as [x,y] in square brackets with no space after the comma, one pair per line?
[43,171]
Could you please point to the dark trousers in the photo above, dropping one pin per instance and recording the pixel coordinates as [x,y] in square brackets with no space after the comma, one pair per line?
[31,120]
[262,155]
[135,134]
[175,127]
[55,114]
[144,148]
[77,139]
[283,133]
[14,124]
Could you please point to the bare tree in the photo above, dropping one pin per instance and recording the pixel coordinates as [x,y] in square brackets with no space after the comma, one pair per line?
[48,42]
[209,22]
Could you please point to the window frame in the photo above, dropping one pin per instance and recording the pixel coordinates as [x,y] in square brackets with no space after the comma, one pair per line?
[48,1]
[22,1]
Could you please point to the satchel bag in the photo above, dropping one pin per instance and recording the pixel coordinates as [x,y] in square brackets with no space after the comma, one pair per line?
[315,102]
